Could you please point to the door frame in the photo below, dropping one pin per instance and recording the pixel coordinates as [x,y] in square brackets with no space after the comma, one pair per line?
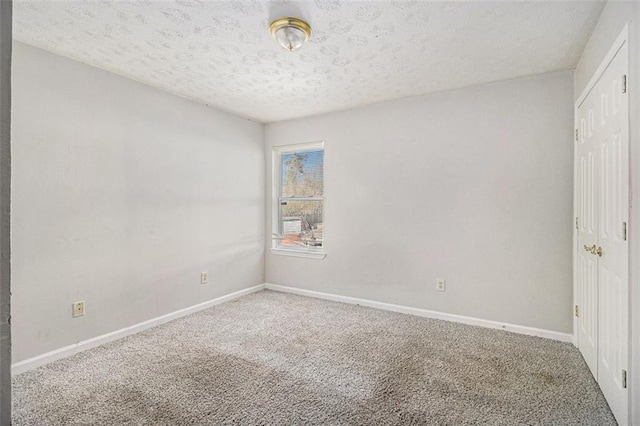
[620,41]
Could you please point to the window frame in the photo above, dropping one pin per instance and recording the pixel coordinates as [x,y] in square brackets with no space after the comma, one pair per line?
[277,198]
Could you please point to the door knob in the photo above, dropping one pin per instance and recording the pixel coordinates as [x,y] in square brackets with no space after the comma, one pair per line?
[594,250]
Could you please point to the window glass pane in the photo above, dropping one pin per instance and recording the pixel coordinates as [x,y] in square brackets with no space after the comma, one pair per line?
[302,174]
[301,224]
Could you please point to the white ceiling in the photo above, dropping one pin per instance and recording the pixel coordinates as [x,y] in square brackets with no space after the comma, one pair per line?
[221,52]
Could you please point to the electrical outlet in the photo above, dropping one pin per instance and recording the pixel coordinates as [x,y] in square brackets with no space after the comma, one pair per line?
[441,285]
[78,309]
[204,277]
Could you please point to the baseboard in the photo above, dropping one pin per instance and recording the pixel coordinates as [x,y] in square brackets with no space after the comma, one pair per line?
[530,331]
[37,361]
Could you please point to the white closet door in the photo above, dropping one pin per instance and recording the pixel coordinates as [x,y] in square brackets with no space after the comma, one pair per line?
[587,262]
[613,268]
[602,253]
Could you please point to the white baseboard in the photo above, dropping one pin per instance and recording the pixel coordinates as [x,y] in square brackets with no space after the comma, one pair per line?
[37,361]
[531,331]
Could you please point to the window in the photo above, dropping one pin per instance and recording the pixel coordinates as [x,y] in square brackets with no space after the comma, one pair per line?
[298,204]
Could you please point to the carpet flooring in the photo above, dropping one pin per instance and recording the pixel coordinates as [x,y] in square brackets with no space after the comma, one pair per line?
[278,359]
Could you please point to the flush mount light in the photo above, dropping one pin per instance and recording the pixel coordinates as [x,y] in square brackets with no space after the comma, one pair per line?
[290,33]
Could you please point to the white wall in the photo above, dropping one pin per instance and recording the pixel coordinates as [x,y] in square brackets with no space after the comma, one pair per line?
[122,195]
[472,185]
[614,17]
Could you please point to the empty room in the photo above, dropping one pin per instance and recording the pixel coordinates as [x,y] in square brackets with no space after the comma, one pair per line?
[319,212]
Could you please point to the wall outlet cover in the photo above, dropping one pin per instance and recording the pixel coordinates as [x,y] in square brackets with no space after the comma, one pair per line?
[441,285]
[204,277]
[78,309]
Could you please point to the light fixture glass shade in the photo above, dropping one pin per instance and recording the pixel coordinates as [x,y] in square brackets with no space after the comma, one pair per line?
[290,33]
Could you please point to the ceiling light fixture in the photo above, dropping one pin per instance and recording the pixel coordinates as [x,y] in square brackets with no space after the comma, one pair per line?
[290,33]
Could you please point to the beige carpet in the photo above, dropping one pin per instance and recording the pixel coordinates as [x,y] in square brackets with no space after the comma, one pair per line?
[278,359]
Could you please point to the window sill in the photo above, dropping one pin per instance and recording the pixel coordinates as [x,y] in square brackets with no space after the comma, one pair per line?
[298,253]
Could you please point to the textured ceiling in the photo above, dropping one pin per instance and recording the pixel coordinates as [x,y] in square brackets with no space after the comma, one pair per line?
[221,52]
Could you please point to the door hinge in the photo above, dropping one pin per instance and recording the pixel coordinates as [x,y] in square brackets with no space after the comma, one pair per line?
[624,379]
[577,310]
[576,134]
[577,227]
[624,83]
[624,231]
